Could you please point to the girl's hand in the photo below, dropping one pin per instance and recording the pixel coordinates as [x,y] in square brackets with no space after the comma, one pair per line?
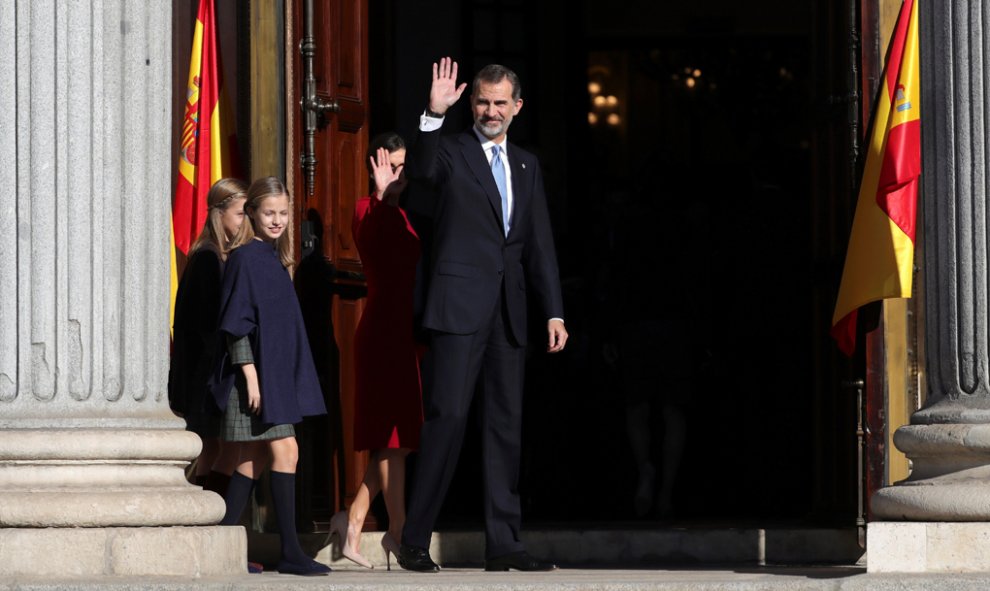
[253,388]
[389,182]
[254,398]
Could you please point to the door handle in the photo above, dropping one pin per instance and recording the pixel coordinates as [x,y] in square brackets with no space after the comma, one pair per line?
[322,105]
[315,108]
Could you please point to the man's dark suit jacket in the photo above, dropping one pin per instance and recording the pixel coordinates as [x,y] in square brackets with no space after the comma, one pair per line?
[471,256]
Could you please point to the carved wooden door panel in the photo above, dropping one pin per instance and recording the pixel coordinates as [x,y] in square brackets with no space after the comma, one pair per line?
[329,176]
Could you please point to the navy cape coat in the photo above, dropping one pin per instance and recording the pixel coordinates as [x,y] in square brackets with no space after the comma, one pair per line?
[258,300]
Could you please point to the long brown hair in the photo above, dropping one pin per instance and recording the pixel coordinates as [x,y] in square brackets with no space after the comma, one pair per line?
[222,194]
[260,190]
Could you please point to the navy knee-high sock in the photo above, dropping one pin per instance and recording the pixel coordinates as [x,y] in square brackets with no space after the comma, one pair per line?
[284,499]
[237,497]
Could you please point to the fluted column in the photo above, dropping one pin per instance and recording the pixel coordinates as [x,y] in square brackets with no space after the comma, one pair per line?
[948,441]
[86,436]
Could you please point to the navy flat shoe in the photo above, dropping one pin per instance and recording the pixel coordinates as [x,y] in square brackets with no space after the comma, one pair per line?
[313,569]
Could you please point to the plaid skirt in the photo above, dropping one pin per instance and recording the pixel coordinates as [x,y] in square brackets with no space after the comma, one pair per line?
[240,424]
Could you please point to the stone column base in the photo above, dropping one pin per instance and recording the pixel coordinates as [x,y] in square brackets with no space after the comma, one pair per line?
[927,547]
[123,551]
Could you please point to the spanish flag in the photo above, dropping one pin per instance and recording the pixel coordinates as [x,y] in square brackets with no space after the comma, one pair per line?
[880,258]
[208,147]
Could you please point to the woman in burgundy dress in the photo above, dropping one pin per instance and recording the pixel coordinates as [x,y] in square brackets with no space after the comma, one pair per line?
[388,401]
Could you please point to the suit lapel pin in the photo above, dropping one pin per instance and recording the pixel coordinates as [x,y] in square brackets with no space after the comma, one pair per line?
[524,165]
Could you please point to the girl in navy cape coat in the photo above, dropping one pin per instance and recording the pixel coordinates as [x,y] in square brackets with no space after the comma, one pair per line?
[266,381]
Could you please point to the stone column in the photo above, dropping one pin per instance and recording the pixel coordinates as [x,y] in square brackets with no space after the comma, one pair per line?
[948,441]
[91,459]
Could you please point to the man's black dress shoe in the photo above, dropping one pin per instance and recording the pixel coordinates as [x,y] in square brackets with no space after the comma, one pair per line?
[520,561]
[416,559]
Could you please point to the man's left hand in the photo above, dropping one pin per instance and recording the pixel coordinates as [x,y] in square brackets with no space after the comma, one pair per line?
[558,336]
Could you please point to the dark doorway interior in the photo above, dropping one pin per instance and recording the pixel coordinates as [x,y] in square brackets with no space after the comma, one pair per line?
[692,324]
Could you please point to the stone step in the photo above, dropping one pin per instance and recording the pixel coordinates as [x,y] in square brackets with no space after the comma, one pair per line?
[832,578]
[609,548]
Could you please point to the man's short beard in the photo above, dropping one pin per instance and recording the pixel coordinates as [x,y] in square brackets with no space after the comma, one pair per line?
[485,131]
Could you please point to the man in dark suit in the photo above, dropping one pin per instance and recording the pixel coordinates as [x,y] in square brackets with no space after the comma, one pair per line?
[492,245]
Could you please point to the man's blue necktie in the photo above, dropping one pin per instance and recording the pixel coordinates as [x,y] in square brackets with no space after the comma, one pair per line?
[498,171]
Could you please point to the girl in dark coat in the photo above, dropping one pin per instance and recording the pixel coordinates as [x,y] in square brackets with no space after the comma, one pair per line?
[194,332]
[267,380]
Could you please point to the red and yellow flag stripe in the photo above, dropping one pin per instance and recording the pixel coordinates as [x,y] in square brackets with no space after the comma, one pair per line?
[880,259]
[208,145]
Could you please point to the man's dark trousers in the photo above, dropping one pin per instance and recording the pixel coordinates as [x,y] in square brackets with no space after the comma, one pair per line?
[453,366]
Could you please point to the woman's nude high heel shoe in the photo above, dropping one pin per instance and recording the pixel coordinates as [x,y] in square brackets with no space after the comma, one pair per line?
[389,545]
[339,527]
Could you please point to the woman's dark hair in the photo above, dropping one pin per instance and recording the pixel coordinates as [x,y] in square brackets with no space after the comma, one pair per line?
[389,140]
